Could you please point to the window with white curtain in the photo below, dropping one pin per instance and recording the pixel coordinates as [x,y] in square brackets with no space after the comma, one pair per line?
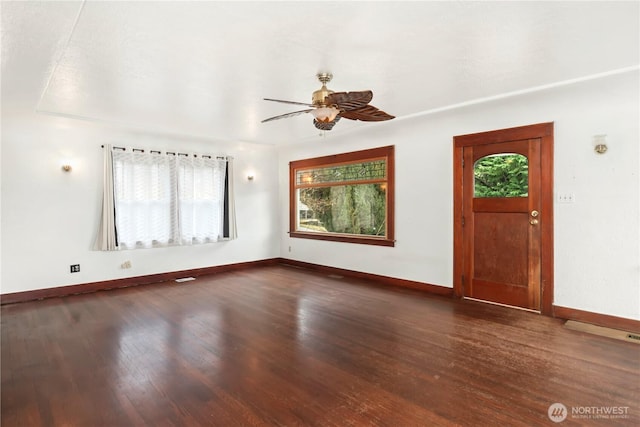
[165,199]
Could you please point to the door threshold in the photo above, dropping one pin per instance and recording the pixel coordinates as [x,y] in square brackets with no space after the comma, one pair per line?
[502,305]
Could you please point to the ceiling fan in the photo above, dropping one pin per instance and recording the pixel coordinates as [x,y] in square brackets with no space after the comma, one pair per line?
[327,106]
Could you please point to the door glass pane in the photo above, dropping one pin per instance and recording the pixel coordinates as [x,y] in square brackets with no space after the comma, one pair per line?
[501,175]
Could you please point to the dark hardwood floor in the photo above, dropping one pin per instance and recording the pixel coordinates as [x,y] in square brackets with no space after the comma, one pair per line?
[280,346]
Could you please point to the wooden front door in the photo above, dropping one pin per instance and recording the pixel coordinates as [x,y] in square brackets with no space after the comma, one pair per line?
[503,225]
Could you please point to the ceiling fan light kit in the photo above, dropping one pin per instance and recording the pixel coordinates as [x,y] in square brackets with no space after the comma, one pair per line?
[325,114]
[327,106]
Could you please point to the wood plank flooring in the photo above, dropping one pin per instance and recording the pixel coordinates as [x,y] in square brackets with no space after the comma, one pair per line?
[280,346]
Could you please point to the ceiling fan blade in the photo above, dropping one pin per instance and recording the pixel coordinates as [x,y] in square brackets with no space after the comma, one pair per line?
[284,116]
[326,125]
[347,101]
[289,102]
[368,113]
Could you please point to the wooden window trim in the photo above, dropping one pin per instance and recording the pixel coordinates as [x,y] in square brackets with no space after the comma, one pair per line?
[337,159]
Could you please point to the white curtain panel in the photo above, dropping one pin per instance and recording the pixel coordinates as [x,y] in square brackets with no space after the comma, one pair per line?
[145,199]
[106,237]
[231,201]
[201,198]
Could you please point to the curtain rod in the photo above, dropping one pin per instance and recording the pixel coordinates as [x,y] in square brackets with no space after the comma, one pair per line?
[172,153]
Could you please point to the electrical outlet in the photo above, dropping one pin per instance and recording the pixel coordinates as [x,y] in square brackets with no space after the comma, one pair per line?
[75,268]
[126,264]
[289,248]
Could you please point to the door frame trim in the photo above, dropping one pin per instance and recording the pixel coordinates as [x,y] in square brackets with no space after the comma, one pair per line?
[544,131]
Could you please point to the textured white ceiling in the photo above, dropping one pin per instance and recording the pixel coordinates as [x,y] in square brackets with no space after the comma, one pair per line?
[202,68]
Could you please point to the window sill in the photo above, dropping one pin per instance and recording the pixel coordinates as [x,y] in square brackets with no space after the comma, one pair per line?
[346,238]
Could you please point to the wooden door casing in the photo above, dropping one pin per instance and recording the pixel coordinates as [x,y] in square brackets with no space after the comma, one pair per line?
[536,143]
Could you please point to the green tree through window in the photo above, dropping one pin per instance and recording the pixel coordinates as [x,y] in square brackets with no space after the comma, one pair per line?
[502,175]
[349,209]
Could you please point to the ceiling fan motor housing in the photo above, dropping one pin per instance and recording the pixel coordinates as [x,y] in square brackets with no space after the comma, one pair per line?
[319,95]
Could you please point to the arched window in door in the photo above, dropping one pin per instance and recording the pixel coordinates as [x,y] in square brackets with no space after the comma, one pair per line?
[501,175]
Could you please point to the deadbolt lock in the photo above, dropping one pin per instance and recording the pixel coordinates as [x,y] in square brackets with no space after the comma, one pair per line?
[535,213]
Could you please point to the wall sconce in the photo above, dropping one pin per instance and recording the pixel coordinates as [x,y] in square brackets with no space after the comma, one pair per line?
[66,167]
[600,144]
[250,176]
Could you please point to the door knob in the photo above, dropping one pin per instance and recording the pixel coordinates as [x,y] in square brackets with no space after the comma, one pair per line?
[535,213]
[533,222]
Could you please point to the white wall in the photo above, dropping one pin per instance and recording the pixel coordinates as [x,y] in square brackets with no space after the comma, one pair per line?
[597,238]
[50,218]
